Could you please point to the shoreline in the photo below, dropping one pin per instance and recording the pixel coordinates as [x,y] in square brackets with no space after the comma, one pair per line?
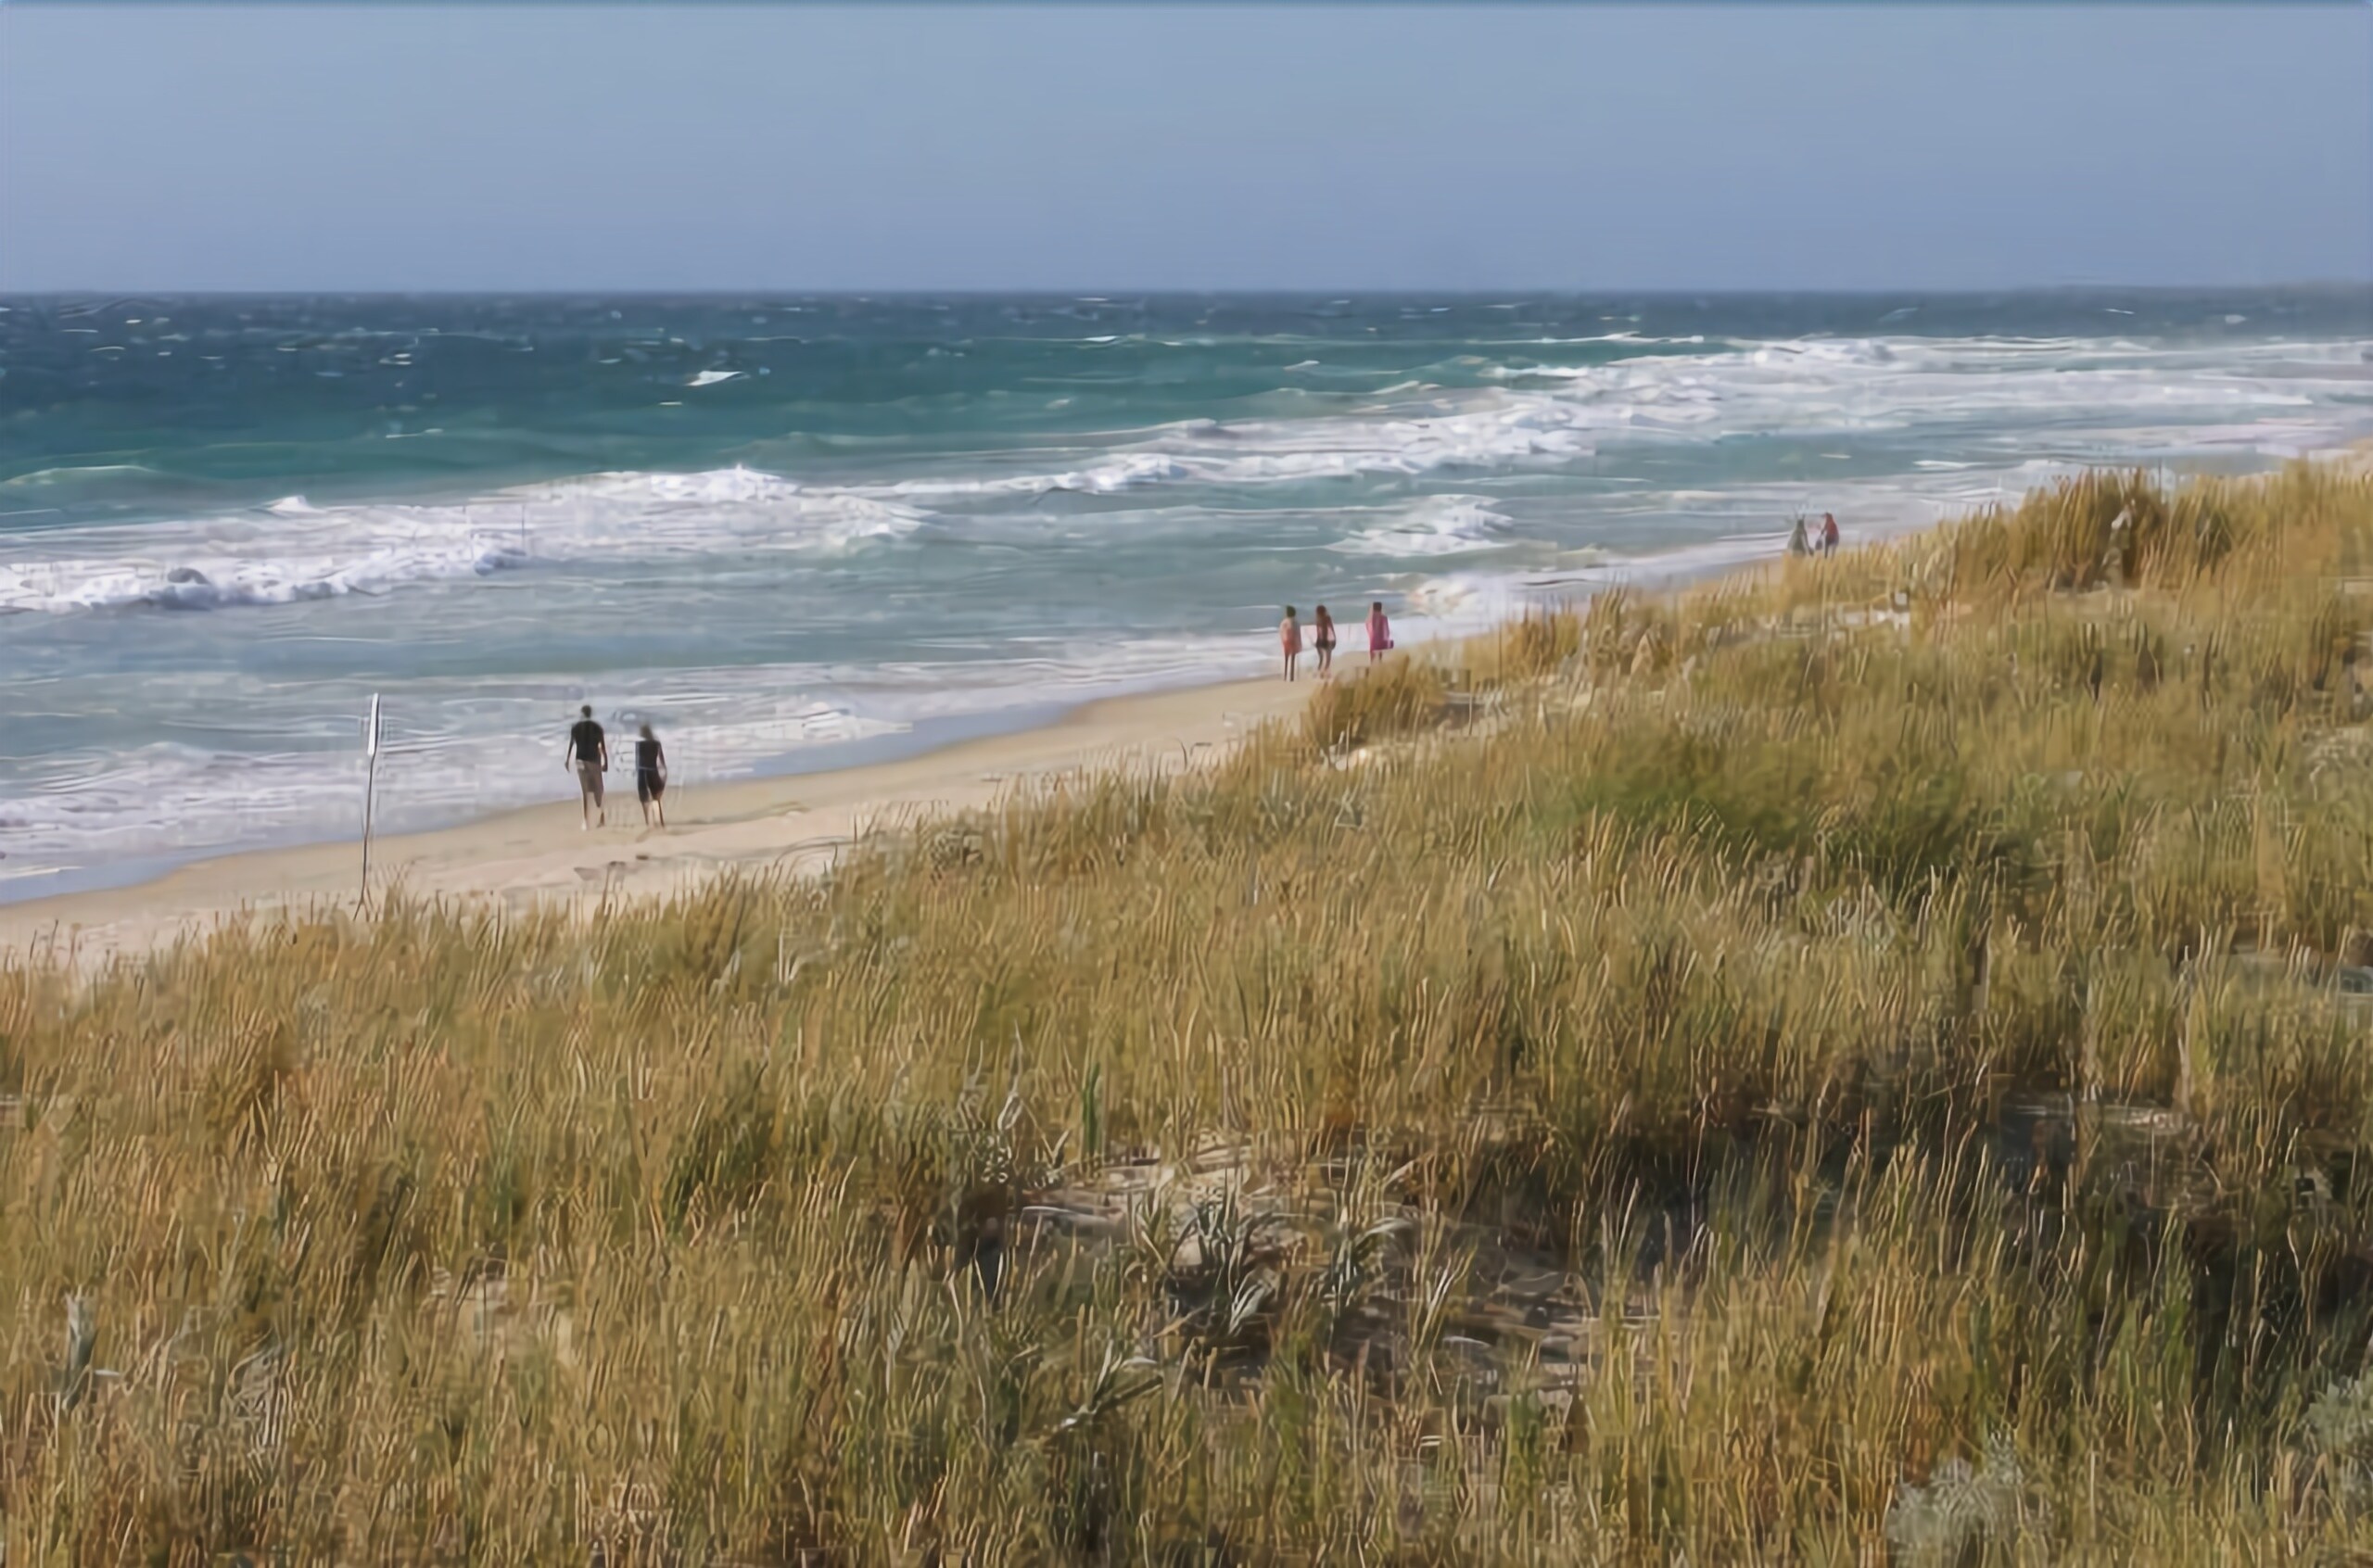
[527,857]
[926,738]
[519,857]
[524,857]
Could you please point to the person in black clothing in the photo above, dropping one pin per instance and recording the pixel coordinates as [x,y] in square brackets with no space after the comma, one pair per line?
[651,777]
[588,753]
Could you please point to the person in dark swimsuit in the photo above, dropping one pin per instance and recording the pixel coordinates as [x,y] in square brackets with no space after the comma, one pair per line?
[1322,637]
[651,777]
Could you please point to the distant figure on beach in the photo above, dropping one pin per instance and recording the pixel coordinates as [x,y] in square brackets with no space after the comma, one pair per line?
[1322,637]
[588,753]
[1829,533]
[1379,632]
[1290,640]
[1797,543]
[650,776]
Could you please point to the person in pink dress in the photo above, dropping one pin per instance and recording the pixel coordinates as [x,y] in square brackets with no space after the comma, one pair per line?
[1829,533]
[1290,640]
[1379,632]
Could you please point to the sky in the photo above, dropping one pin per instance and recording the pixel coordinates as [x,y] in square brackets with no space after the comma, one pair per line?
[1090,147]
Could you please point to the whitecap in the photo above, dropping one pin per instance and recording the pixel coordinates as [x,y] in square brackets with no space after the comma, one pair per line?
[311,552]
[1434,526]
[66,474]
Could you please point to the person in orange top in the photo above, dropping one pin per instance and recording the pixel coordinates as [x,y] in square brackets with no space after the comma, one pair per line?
[1290,640]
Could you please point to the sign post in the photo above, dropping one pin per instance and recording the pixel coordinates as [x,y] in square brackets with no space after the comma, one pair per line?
[370,785]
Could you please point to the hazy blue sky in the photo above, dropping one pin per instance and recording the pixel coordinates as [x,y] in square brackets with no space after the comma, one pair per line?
[1223,146]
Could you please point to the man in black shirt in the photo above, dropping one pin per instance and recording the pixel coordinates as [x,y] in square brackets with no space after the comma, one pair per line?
[588,753]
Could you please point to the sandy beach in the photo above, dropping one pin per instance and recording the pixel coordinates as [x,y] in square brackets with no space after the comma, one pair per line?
[522,859]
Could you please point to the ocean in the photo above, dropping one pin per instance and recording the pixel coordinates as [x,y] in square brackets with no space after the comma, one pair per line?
[793,532]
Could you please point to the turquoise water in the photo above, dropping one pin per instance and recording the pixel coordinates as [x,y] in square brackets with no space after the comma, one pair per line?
[789,531]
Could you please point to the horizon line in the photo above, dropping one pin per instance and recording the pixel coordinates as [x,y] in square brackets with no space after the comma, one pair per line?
[1113,293]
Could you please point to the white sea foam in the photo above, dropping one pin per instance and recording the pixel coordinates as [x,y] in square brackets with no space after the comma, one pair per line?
[1558,415]
[1903,384]
[208,576]
[1482,430]
[1108,476]
[1435,526]
[309,552]
[42,477]
[1455,602]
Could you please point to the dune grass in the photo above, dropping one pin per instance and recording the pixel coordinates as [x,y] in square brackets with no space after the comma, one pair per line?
[1859,1064]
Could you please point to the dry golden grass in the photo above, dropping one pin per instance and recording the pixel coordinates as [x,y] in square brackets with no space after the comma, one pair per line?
[1854,1066]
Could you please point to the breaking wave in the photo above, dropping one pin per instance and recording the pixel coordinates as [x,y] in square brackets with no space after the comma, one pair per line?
[292,551]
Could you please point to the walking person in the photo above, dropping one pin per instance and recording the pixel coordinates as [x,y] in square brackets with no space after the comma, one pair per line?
[1290,640]
[1322,637]
[588,753]
[1379,632]
[1829,533]
[1797,543]
[651,777]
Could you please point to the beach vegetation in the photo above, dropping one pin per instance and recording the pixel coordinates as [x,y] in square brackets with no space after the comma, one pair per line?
[1868,1061]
